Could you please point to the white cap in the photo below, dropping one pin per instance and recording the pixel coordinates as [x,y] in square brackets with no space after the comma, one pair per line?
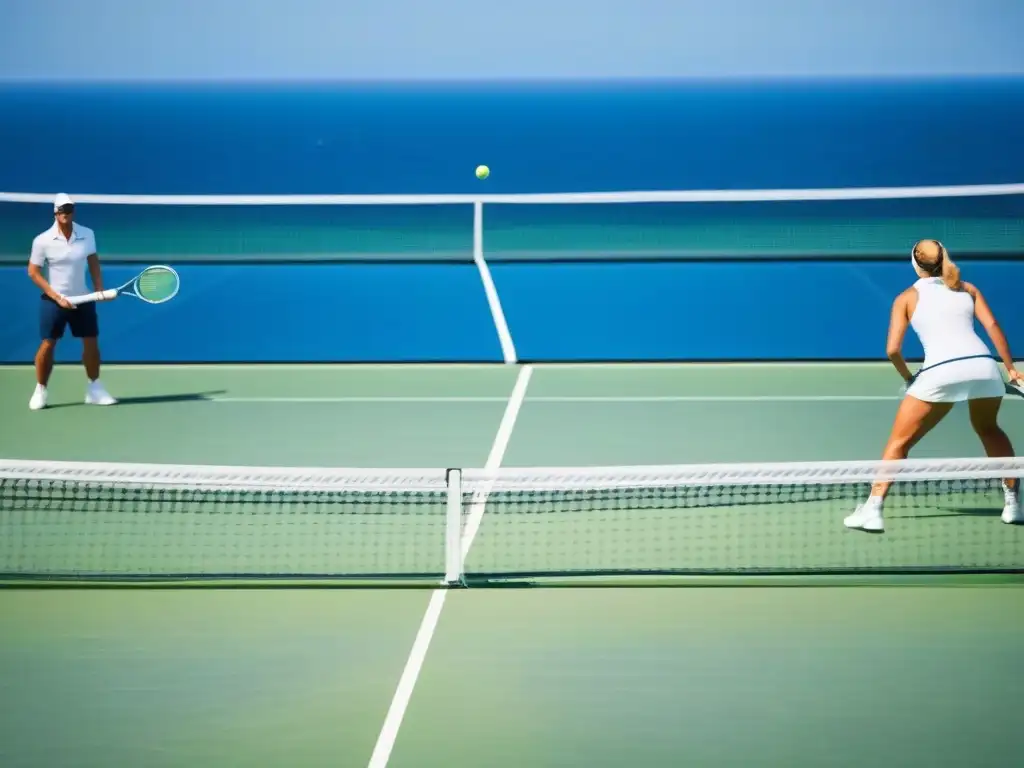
[61,199]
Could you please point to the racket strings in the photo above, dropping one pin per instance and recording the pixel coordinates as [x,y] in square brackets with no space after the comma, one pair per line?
[157,284]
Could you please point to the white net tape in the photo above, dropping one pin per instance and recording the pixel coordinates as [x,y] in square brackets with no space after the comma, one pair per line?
[475,480]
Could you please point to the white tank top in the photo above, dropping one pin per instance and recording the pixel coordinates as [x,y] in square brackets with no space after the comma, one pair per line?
[944,322]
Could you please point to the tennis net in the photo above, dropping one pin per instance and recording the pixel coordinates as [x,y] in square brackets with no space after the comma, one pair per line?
[134,521]
[982,220]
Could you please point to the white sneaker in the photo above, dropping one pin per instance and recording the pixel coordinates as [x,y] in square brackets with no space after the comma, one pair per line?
[95,394]
[867,517]
[1012,512]
[39,398]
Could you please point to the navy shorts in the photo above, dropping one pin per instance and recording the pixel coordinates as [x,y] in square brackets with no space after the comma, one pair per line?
[53,319]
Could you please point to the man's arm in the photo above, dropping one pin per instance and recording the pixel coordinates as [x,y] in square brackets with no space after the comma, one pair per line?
[94,265]
[35,272]
[95,272]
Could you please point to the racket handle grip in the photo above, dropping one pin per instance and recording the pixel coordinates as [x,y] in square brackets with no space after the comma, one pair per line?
[106,295]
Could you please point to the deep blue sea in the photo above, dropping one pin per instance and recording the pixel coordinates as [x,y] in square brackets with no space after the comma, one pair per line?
[536,137]
[252,139]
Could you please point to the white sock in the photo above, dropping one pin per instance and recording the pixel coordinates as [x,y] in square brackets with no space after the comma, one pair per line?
[1010,493]
[874,503]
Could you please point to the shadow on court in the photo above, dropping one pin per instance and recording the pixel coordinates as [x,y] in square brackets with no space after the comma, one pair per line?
[182,397]
[992,511]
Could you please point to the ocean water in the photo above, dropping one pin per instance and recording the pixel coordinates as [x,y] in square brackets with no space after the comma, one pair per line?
[536,137]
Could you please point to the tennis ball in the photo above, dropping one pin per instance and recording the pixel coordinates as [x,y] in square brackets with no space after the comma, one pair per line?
[482,171]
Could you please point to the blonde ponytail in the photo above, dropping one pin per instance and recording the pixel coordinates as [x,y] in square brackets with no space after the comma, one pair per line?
[943,266]
[950,271]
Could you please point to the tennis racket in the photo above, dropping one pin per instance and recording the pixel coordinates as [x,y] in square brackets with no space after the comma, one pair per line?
[154,285]
[1012,387]
[906,385]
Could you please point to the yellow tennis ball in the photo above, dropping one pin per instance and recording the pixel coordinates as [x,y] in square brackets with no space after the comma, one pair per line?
[482,171]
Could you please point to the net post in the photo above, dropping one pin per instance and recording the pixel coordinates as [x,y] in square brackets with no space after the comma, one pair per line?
[453,529]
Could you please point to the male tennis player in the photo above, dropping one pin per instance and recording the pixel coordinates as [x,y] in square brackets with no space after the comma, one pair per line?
[957,366]
[66,249]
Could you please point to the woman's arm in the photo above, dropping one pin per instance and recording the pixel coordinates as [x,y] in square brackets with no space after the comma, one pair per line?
[991,326]
[899,318]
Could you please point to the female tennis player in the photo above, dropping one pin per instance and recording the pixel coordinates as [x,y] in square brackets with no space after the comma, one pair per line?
[957,366]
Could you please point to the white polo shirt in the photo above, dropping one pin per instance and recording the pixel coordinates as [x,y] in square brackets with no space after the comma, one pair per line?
[65,260]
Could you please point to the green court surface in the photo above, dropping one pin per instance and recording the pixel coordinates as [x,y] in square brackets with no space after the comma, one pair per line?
[845,671]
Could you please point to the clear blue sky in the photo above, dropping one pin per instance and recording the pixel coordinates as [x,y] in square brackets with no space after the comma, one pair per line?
[404,39]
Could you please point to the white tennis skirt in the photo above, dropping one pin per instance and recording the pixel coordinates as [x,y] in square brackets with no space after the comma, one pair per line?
[959,380]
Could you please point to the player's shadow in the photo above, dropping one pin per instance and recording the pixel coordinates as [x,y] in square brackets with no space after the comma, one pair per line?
[981,511]
[181,397]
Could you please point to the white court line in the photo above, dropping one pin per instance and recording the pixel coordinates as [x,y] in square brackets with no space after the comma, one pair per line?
[363,399]
[508,350]
[570,399]
[654,365]
[501,439]
[403,693]
[229,367]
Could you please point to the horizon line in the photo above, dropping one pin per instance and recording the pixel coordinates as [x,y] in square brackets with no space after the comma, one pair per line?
[507,79]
